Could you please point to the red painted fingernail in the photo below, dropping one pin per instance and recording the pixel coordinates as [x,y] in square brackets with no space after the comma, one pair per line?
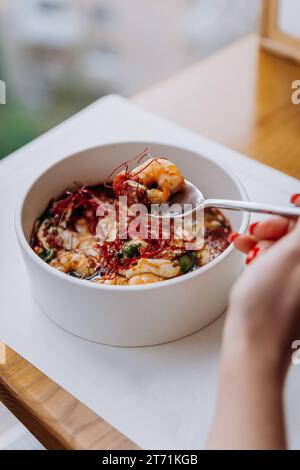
[295,197]
[252,227]
[233,236]
[252,254]
[250,257]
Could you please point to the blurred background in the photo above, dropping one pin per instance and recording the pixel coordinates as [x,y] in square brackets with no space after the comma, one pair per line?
[57,56]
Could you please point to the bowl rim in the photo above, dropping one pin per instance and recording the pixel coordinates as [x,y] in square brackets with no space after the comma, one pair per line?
[156,285]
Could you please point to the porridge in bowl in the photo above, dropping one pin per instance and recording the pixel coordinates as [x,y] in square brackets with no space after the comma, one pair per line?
[78,235]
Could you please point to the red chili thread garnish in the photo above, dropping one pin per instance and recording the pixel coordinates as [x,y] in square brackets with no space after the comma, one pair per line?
[155,248]
[120,182]
[125,165]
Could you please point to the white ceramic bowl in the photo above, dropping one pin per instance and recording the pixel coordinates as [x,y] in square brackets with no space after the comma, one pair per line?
[131,315]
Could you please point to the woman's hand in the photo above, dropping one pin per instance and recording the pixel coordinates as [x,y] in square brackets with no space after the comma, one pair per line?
[265,302]
[262,322]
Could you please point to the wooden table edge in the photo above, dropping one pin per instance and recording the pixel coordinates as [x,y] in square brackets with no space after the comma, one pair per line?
[45,417]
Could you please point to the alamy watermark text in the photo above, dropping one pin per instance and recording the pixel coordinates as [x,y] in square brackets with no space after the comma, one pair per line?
[295,98]
[2,92]
[2,353]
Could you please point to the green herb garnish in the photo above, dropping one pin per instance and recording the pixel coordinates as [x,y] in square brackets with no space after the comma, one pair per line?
[129,250]
[187,261]
[47,255]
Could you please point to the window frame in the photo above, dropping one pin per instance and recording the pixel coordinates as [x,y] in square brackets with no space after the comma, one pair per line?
[272,38]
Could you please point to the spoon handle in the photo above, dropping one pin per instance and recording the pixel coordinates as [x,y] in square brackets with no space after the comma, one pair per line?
[261,208]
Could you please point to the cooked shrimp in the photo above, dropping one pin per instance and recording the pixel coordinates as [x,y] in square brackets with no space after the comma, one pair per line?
[71,261]
[82,227]
[164,174]
[139,279]
[42,232]
[204,256]
[162,268]
[156,172]
[115,281]
[146,278]
[67,239]
[89,246]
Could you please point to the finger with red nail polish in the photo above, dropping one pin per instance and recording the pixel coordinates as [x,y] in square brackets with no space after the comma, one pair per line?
[233,236]
[252,227]
[250,257]
[245,243]
[273,228]
[295,199]
[258,249]
[264,245]
[253,254]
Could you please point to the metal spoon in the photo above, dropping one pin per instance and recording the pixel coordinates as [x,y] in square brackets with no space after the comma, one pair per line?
[193,196]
